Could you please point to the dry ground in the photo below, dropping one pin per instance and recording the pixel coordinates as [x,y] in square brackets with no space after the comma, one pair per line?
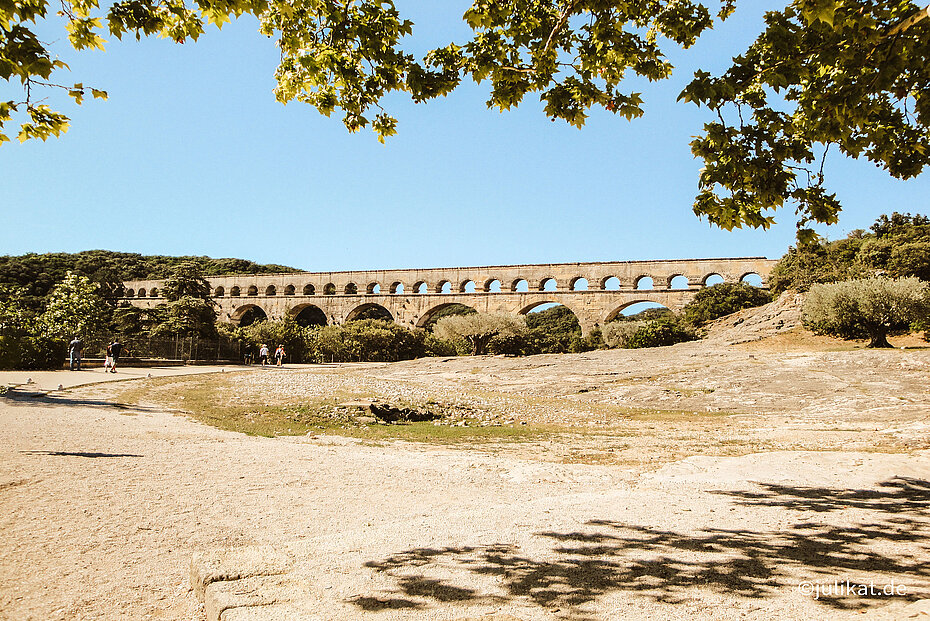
[704,480]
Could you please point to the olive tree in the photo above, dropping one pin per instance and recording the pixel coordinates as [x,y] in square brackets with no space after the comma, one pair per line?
[479,329]
[874,306]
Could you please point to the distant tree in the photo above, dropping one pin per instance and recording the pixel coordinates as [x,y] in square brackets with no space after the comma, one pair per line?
[553,331]
[723,299]
[190,309]
[75,308]
[450,310]
[16,318]
[478,329]
[874,306]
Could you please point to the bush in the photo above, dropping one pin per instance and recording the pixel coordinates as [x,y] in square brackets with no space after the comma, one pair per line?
[31,352]
[872,307]
[617,334]
[636,334]
[368,340]
[478,330]
[723,299]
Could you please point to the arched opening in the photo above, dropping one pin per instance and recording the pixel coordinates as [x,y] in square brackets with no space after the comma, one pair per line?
[552,329]
[130,293]
[548,284]
[142,293]
[493,286]
[579,284]
[309,289]
[271,290]
[467,287]
[234,292]
[307,315]
[678,282]
[611,283]
[430,317]
[420,287]
[290,290]
[248,314]
[397,287]
[444,287]
[329,289]
[351,289]
[373,288]
[752,279]
[520,285]
[712,279]
[644,283]
[153,293]
[640,310]
[369,311]
[219,292]
[253,290]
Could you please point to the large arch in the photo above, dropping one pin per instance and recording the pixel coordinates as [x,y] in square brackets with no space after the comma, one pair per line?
[618,310]
[308,315]
[553,303]
[428,315]
[369,311]
[247,314]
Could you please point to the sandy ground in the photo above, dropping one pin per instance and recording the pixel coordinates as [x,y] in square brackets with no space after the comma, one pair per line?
[819,473]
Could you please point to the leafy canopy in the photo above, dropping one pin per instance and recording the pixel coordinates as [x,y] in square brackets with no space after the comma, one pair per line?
[849,75]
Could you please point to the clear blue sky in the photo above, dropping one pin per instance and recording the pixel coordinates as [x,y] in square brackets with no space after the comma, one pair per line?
[192,155]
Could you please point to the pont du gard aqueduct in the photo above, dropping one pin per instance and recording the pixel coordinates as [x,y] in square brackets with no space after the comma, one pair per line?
[595,292]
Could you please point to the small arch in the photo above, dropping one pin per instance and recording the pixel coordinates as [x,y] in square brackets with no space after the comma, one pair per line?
[645,283]
[548,284]
[142,293]
[632,308]
[430,317]
[493,286]
[253,290]
[153,293]
[444,286]
[520,285]
[307,315]
[420,287]
[712,279]
[130,293]
[467,287]
[373,288]
[271,290]
[579,283]
[351,289]
[369,311]
[678,282]
[610,283]
[234,292]
[248,314]
[329,289]
[219,292]
[290,290]
[752,279]
[309,289]
[397,287]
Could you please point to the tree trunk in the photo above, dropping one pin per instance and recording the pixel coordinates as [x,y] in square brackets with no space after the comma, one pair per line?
[878,339]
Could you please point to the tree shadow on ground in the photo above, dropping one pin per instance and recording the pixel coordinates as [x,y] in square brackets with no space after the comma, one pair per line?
[80,454]
[17,398]
[672,567]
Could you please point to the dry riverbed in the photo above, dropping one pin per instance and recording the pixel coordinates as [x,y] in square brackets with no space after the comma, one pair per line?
[703,480]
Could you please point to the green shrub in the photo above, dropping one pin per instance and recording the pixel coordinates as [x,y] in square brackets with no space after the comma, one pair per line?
[31,352]
[369,340]
[723,299]
[660,334]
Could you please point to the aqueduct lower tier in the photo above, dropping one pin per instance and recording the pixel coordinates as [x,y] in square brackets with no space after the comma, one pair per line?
[595,292]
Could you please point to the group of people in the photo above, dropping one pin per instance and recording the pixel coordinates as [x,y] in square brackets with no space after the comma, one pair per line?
[76,354]
[264,355]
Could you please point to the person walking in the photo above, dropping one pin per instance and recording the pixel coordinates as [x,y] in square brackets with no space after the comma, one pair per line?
[279,355]
[113,352]
[75,350]
[263,354]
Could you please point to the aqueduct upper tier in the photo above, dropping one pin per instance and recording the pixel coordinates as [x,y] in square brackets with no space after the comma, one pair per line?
[595,292]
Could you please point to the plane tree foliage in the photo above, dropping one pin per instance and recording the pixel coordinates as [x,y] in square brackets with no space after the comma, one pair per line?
[849,76]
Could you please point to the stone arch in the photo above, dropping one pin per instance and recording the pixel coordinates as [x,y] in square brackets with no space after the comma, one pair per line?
[579,283]
[425,317]
[154,292]
[610,283]
[753,279]
[468,286]
[219,292]
[253,290]
[444,286]
[130,293]
[548,284]
[520,285]
[619,309]
[420,286]
[351,289]
[142,293]
[234,292]
[644,282]
[247,314]
[529,307]
[329,289]
[712,276]
[493,286]
[397,287]
[308,315]
[369,311]
[290,290]
[373,288]
[271,290]
[678,282]
[309,289]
